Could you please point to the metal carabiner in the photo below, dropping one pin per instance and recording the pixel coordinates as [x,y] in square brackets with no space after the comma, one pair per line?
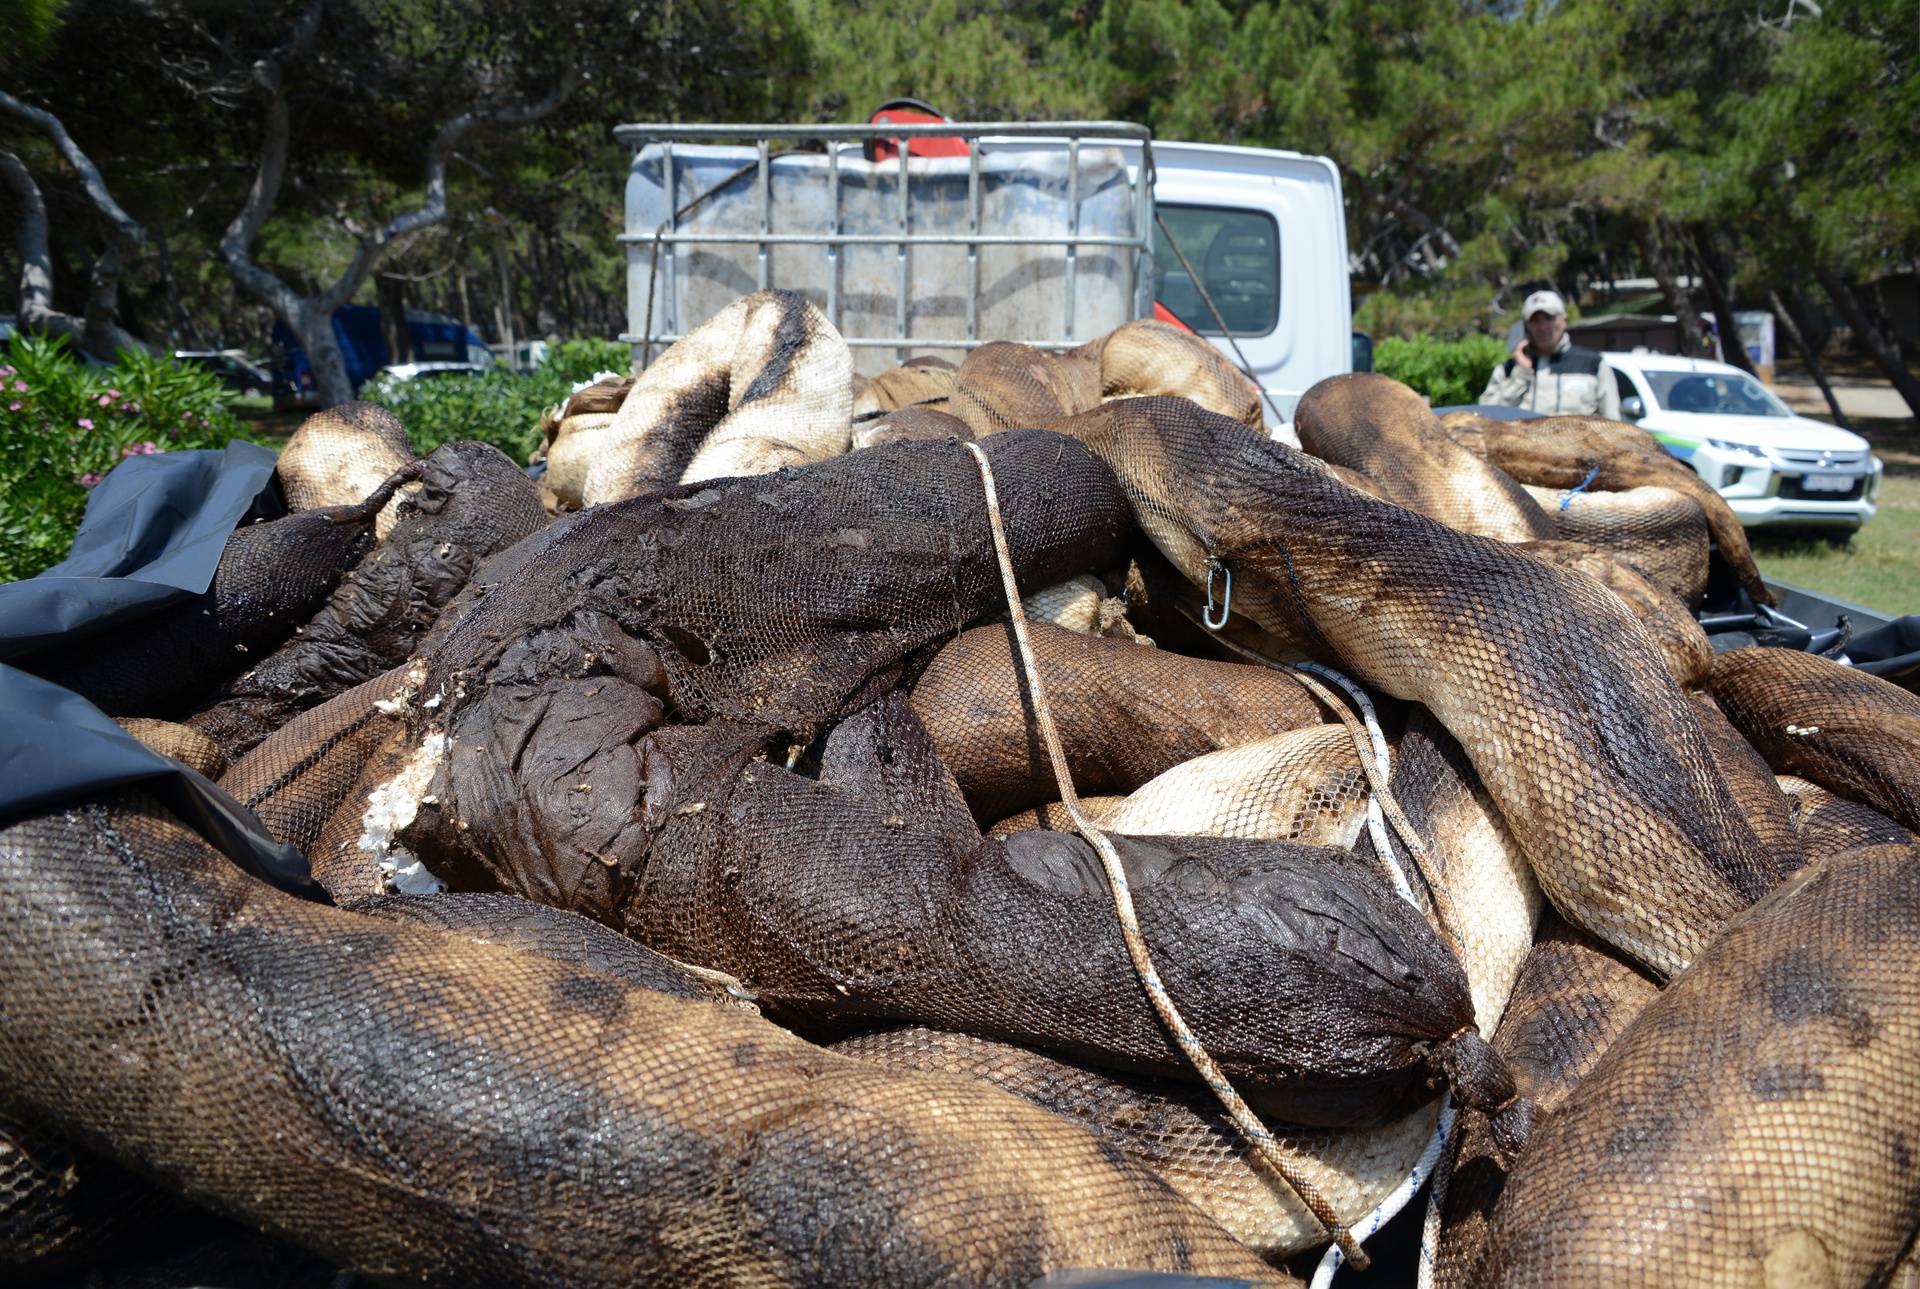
[1226,602]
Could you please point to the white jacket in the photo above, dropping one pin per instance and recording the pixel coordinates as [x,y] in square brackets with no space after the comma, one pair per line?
[1571,381]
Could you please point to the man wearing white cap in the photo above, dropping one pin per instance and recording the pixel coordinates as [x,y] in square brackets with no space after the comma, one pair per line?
[1548,372]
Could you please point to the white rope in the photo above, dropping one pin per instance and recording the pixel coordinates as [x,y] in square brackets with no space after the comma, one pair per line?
[1424,1167]
[1266,1147]
[1390,1207]
[1430,1226]
[1382,769]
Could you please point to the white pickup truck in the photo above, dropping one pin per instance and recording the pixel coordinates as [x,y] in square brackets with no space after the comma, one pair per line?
[936,237]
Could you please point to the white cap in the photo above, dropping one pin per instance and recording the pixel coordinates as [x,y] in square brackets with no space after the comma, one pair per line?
[1544,302]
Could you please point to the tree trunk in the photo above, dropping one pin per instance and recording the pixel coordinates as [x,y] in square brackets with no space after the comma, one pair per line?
[544,322]
[314,329]
[311,317]
[96,333]
[1659,255]
[506,299]
[1733,348]
[185,334]
[34,303]
[1812,357]
[1883,353]
[392,293]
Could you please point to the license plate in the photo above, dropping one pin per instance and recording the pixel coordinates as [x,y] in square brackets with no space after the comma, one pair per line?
[1828,482]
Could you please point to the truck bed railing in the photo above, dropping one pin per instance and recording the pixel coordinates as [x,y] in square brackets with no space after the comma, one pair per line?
[671,238]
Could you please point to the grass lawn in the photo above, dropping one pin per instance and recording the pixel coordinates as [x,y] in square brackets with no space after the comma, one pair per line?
[1881,568]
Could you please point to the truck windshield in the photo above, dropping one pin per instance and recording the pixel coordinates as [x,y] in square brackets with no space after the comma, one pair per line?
[1724,394]
[1235,251]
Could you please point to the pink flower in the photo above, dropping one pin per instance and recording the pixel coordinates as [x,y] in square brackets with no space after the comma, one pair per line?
[140,450]
[20,385]
[85,424]
[14,407]
[105,401]
[90,478]
[113,393]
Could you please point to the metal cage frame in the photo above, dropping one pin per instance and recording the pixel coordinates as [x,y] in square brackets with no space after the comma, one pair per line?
[1072,135]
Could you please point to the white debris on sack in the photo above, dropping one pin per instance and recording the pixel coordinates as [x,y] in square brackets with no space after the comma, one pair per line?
[390,808]
[410,685]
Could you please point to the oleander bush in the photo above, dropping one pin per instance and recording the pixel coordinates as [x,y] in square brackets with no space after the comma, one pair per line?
[65,423]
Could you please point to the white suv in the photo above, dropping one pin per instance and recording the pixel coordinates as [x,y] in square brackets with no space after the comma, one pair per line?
[1774,468]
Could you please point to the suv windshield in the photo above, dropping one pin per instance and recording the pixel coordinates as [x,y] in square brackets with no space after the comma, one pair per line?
[1722,393]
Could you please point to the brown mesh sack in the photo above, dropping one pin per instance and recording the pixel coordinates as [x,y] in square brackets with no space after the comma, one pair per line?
[1472,877]
[868,893]
[181,742]
[1304,786]
[1750,1126]
[1073,604]
[1572,999]
[1565,708]
[422,1107]
[1611,456]
[1052,816]
[765,383]
[909,424]
[1125,713]
[1848,731]
[296,779]
[1661,532]
[1177,1132]
[1375,425]
[1004,385]
[513,923]
[789,599]
[919,382]
[60,1206]
[1753,786]
[340,455]
[1829,823]
[598,401]
[472,503]
[1673,630]
[1151,357]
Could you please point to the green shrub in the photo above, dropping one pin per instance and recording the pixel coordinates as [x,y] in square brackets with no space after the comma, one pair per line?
[1448,372]
[498,407]
[64,424]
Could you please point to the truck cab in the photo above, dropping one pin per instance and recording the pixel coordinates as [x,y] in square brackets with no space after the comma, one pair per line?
[1050,234]
[1266,234]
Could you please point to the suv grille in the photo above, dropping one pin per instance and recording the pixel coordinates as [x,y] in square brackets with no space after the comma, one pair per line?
[1822,460]
[1793,490]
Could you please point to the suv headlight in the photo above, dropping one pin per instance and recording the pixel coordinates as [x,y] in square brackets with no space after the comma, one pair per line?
[1743,455]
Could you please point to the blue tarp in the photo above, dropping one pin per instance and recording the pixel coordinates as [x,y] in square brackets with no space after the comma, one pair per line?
[56,747]
[152,536]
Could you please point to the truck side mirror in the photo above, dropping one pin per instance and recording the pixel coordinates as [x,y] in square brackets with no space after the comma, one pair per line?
[1362,351]
[1632,407]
